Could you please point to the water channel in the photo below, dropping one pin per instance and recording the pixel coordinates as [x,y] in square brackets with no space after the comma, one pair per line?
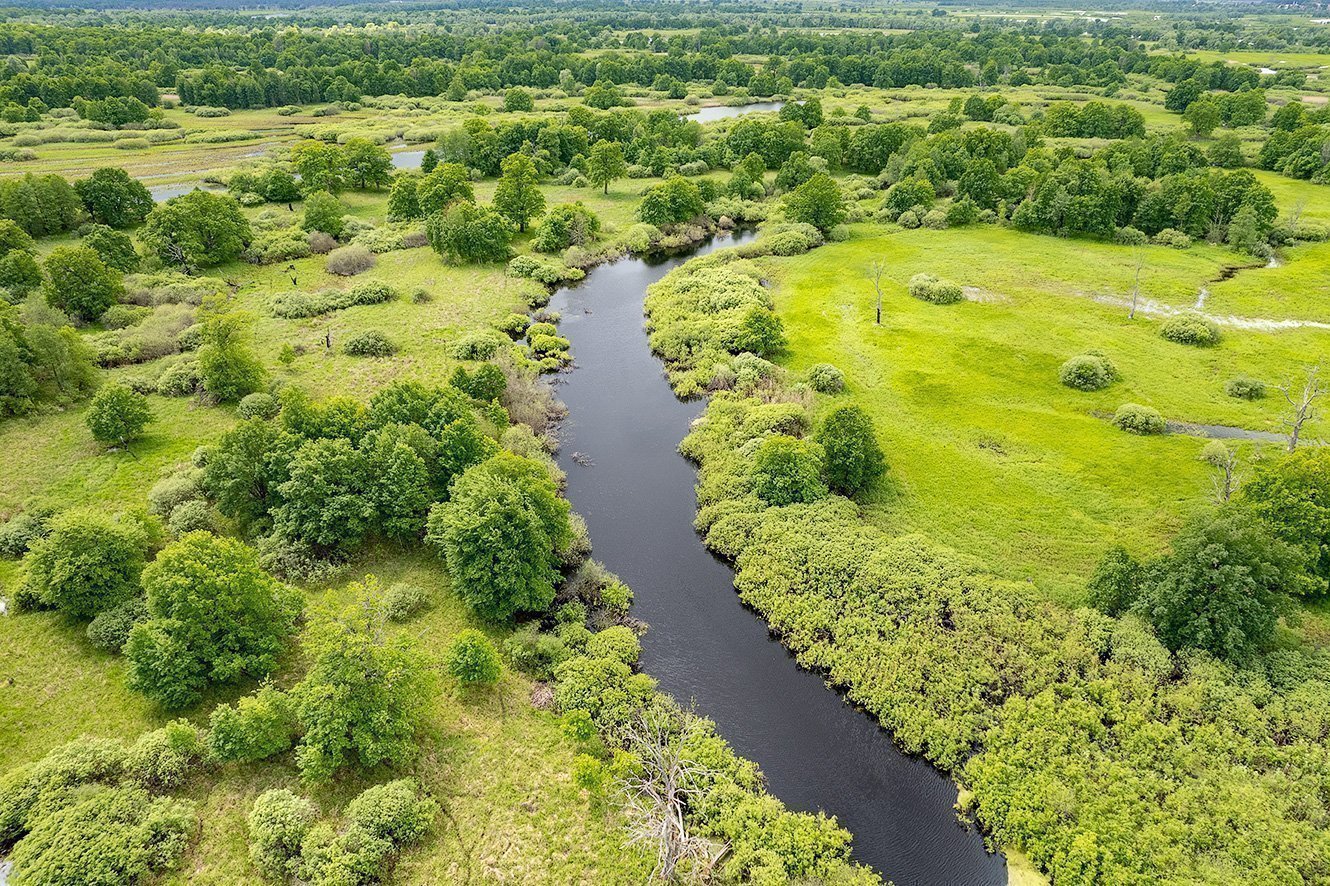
[636,493]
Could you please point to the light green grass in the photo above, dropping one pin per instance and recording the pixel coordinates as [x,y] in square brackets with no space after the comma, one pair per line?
[989,452]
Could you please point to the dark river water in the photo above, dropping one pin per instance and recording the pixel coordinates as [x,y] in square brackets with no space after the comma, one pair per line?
[703,645]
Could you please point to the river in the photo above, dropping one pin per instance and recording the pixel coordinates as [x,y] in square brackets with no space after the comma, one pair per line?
[720,112]
[636,493]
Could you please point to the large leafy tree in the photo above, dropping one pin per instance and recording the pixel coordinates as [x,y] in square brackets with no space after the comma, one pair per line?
[113,198]
[88,563]
[228,367]
[606,164]
[363,697]
[501,533]
[214,617]
[787,470]
[818,202]
[1292,495]
[118,415]
[79,282]
[247,466]
[470,233]
[517,196]
[853,458]
[197,230]
[672,201]
[1224,586]
[368,166]
[322,167]
[446,184]
[327,502]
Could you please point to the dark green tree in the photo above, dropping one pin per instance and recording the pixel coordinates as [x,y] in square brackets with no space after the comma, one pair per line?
[787,471]
[88,562]
[112,198]
[117,415]
[79,282]
[197,230]
[517,196]
[817,202]
[853,457]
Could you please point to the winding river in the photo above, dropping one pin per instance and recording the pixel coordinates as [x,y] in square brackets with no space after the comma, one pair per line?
[627,479]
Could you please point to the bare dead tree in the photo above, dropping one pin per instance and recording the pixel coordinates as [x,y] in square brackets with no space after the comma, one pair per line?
[1302,403]
[1136,282]
[656,797]
[875,275]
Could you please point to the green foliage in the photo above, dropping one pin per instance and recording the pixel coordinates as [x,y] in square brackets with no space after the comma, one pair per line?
[112,198]
[259,405]
[617,642]
[109,629]
[568,224]
[369,343]
[368,165]
[197,230]
[1223,587]
[326,502]
[673,201]
[787,470]
[278,824]
[117,415]
[853,457]
[88,563]
[114,248]
[214,617]
[826,378]
[106,835]
[365,692]
[606,164]
[323,213]
[485,383]
[501,533]
[517,196]
[403,601]
[1245,388]
[446,184]
[1291,494]
[404,198]
[1088,372]
[246,468]
[79,283]
[817,202]
[1190,329]
[467,233]
[228,367]
[535,652]
[161,760]
[1136,419]
[256,727]
[472,659]
[518,99]
[926,287]
[1116,581]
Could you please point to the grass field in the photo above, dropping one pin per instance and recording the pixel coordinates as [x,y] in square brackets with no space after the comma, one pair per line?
[989,452]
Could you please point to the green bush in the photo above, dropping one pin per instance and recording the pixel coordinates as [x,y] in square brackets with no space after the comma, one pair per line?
[118,415]
[88,563]
[180,379]
[260,405]
[394,812]
[1245,388]
[123,316]
[109,630]
[1088,372]
[472,659]
[1190,329]
[617,642]
[169,492]
[22,529]
[534,652]
[161,760]
[1172,237]
[853,457]
[257,727]
[191,516]
[1137,419]
[347,261]
[787,470]
[403,601]
[928,288]
[369,343]
[278,824]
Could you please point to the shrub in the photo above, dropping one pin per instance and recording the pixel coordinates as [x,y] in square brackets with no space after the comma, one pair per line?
[826,379]
[320,243]
[935,219]
[348,261]
[534,652]
[180,379]
[617,642]
[1245,388]
[1130,236]
[1190,329]
[852,455]
[1136,419]
[258,405]
[394,812]
[22,530]
[372,292]
[110,629]
[278,824]
[192,516]
[476,346]
[402,601]
[1172,237]
[787,470]
[515,325]
[1088,372]
[486,383]
[160,760]
[258,726]
[370,343]
[117,414]
[928,288]
[283,245]
[123,316]
[90,562]
[170,492]
[549,271]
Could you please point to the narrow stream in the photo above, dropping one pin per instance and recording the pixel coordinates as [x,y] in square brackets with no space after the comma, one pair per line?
[704,646]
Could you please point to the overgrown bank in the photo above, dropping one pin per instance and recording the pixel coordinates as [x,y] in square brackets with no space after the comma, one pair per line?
[1080,737]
